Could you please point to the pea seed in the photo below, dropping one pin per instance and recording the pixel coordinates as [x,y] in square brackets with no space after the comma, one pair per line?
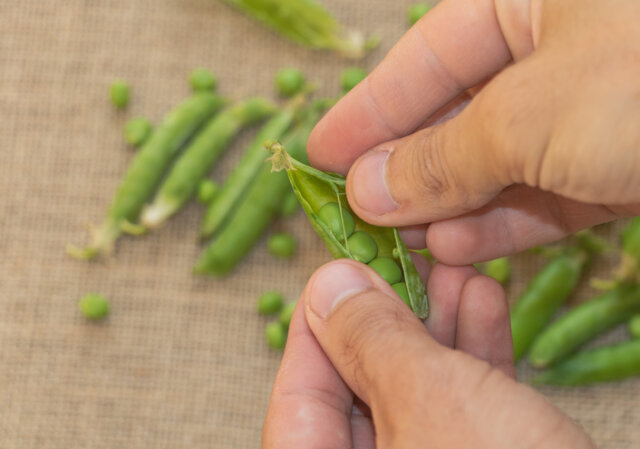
[362,246]
[275,334]
[387,268]
[415,12]
[401,290]
[94,306]
[137,131]
[207,191]
[270,303]
[120,93]
[286,313]
[329,214]
[289,81]
[202,80]
[351,77]
[282,245]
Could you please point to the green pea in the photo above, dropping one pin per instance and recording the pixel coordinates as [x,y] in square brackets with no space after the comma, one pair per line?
[282,245]
[415,12]
[290,205]
[634,326]
[207,190]
[94,306]
[351,77]
[202,80]
[270,303]
[362,246]
[120,94]
[286,313]
[275,334]
[387,268]
[289,81]
[329,214]
[401,289]
[137,131]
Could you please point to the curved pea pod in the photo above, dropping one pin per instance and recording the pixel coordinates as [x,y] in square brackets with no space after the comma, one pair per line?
[548,290]
[199,157]
[146,171]
[605,364]
[316,189]
[583,323]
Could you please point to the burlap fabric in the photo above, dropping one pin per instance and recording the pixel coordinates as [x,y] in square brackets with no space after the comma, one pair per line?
[181,362]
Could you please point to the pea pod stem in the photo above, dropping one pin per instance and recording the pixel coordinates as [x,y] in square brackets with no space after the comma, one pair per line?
[199,157]
[146,171]
[583,323]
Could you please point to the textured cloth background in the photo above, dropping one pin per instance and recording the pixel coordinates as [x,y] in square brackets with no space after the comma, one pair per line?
[181,362]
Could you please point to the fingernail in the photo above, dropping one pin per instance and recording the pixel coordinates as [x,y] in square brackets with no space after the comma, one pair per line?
[369,185]
[334,283]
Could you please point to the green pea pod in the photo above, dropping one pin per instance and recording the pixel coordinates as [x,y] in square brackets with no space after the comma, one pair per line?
[584,323]
[197,159]
[316,189]
[256,210]
[605,364]
[629,269]
[146,171]
[548,290]
[244,174]
[499,269]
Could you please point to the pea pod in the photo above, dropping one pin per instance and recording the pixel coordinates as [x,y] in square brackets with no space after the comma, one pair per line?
[255,212]
[548,290]
[146,171]
[605,364]
[584,323]
[197,159]
[243,176]
[629,269]
[316,190]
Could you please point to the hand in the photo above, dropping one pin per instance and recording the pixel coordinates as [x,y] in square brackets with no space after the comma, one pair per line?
[358,359]
[549,143]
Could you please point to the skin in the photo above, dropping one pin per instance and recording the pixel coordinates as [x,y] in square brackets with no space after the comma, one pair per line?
[546,145]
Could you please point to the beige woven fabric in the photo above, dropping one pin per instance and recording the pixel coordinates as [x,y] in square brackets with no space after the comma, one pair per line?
[181,362]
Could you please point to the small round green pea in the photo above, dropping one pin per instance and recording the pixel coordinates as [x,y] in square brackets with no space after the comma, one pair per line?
[202,80]
[136,131]
[286,313]
[282,245]
[329,214]
[401,290]
[351,77]
[415,12]
[499,269]
[270,303]
[290,205]
[207,191]
[634,326]
[94,306]
[275,334]
[120,94]
[289,81]
[387,268]
[362,246]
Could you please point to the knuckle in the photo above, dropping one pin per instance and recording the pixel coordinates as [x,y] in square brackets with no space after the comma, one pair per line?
[427,169]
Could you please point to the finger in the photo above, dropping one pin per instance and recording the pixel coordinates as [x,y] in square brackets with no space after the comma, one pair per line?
[456,46]
[519,218]
[414,236]
[365,329]
[310,404]
[483,329]
[444,291]
[362,427]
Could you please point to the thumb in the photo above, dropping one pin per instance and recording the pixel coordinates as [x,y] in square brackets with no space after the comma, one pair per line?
[459,165]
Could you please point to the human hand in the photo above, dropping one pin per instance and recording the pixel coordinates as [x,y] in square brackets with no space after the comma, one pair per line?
[549,144]
[361,371]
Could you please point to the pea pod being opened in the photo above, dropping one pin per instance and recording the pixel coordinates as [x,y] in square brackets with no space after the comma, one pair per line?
[316,189]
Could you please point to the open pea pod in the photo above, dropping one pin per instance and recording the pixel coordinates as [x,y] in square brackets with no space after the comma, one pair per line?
[323,198]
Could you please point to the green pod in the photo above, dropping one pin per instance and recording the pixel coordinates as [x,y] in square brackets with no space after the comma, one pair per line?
[548,290]
[629,269]
[583,323]
[634,326]
[605,364]
[147,169]
[255,212]
[499,269]
[201,154]
[315,189]
[290,205]
[244,174]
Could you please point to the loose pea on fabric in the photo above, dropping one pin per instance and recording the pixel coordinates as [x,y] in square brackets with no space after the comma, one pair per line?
[315,190]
